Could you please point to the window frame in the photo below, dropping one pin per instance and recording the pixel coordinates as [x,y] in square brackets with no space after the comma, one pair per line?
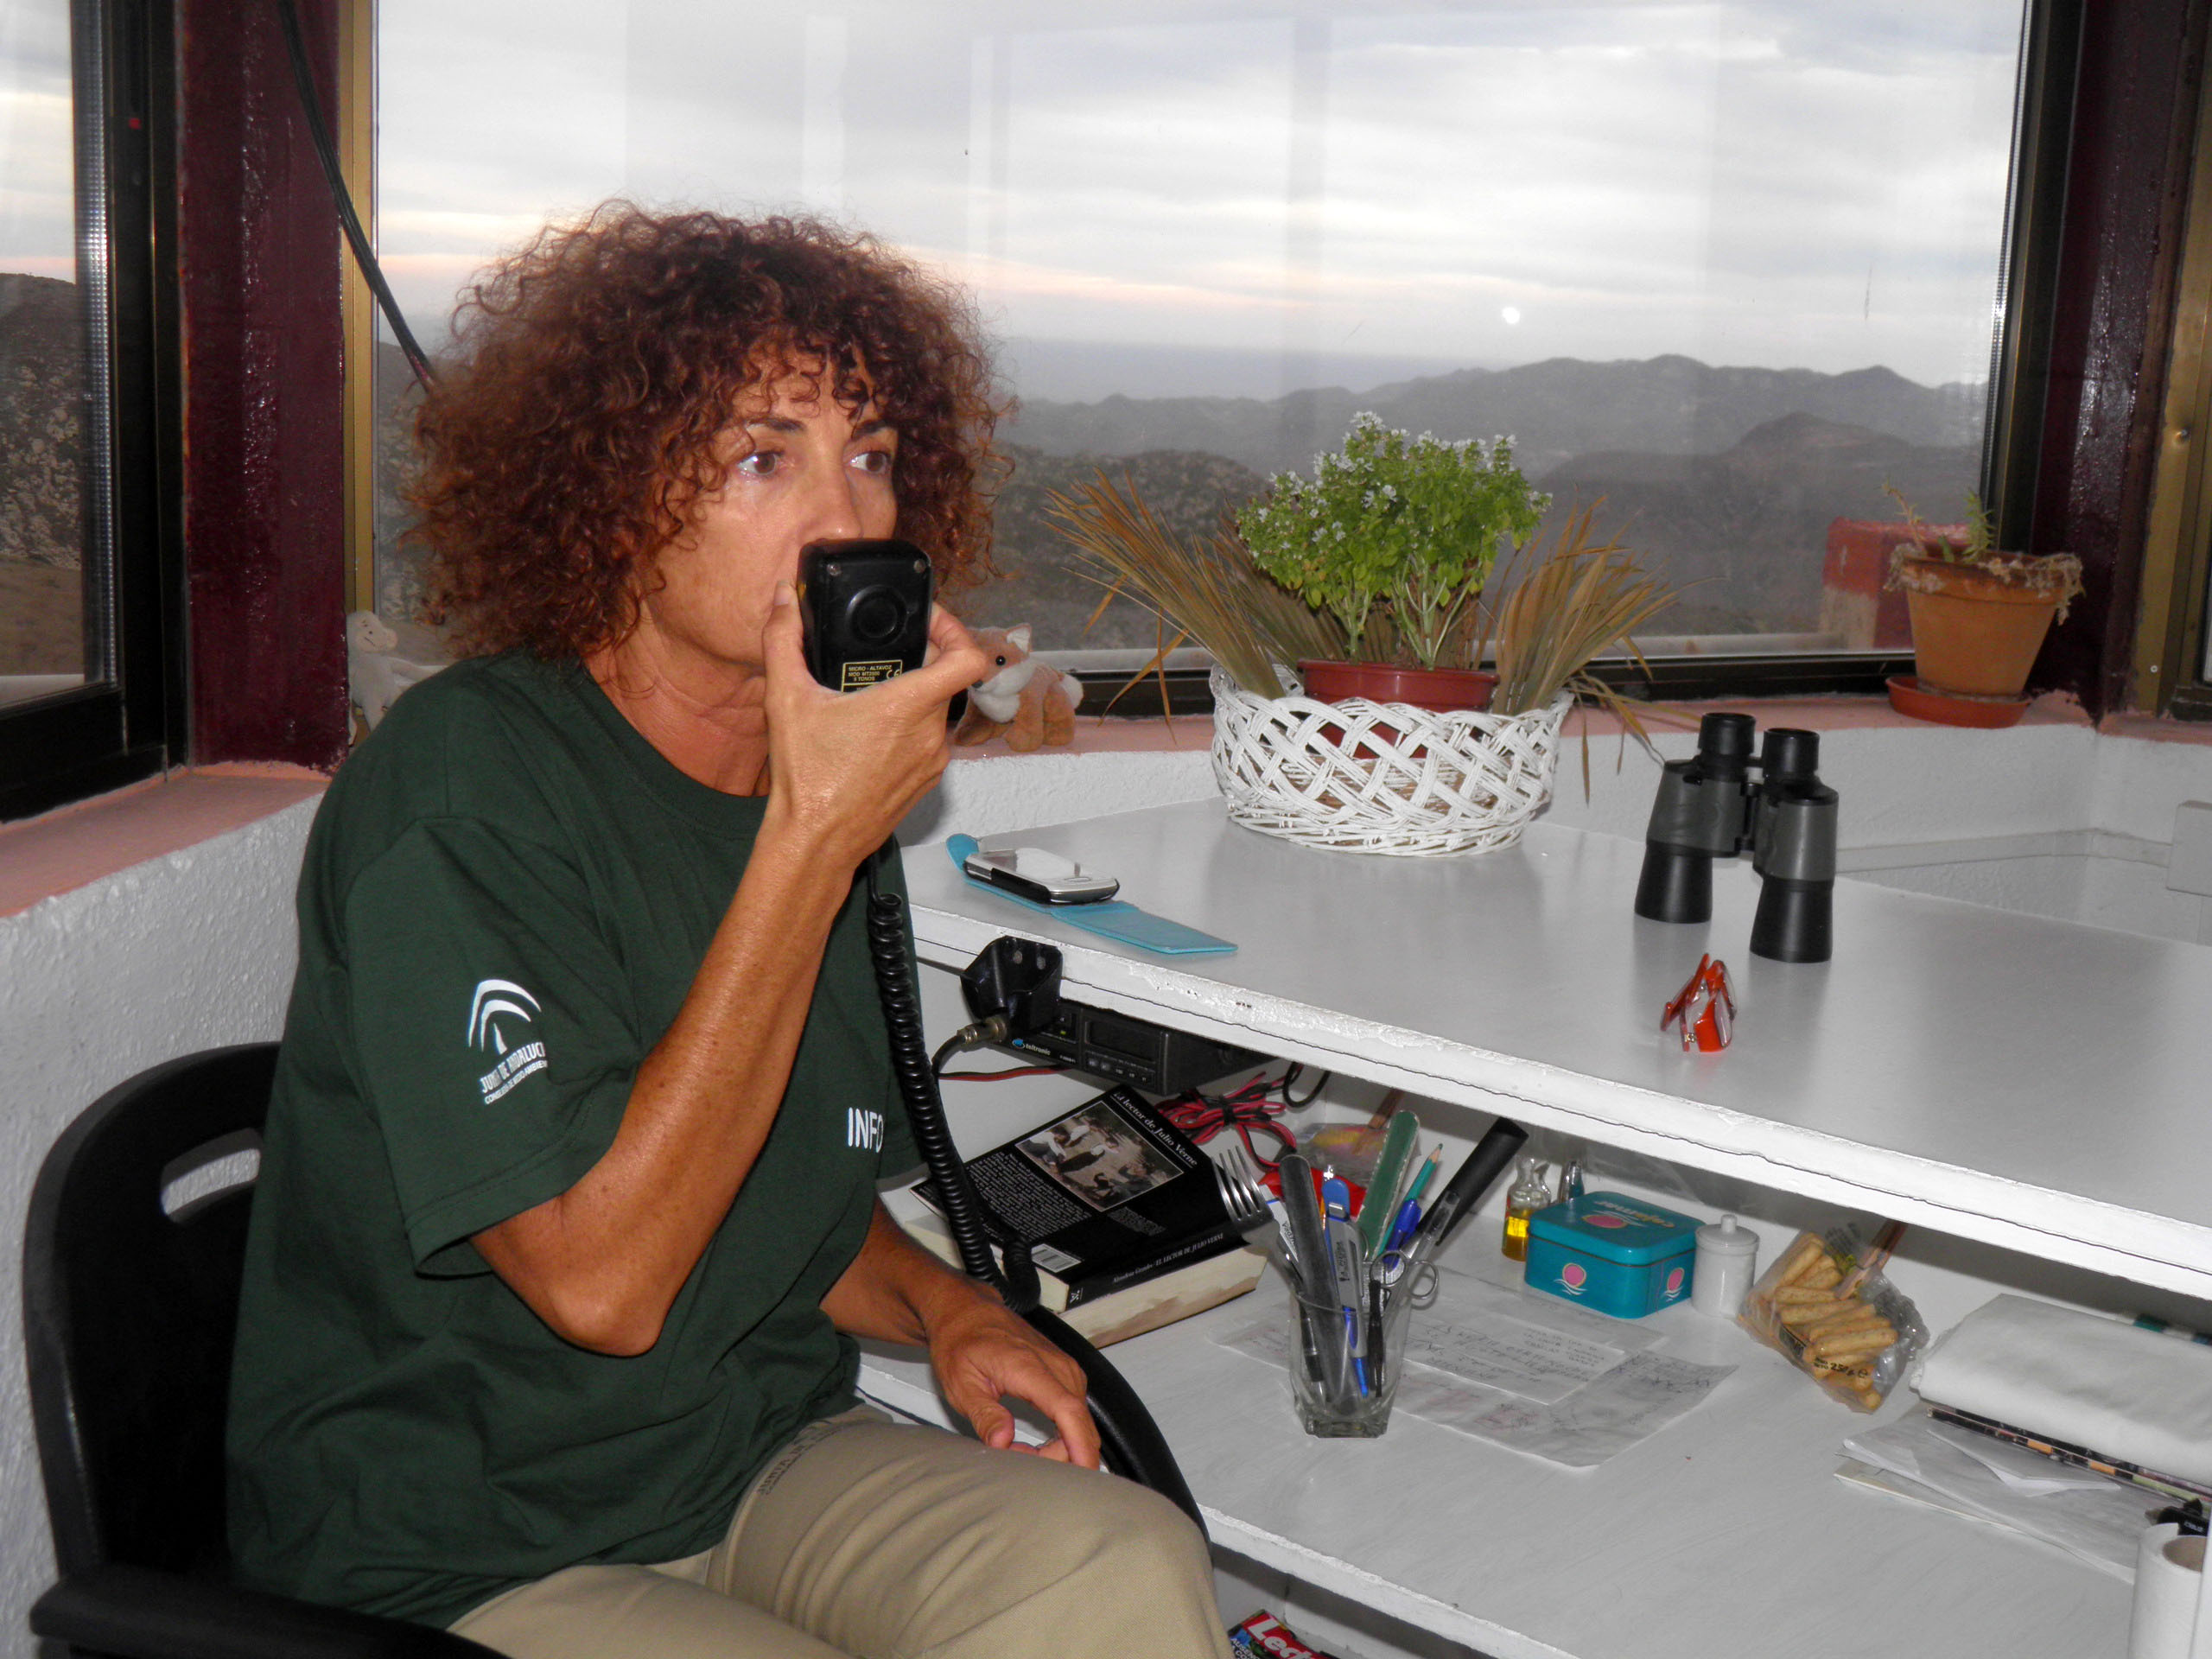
[2170,665]
[132,724]
[2025,292]
[2029,269]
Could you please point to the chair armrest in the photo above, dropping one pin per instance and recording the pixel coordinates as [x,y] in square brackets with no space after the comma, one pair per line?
[133,1612]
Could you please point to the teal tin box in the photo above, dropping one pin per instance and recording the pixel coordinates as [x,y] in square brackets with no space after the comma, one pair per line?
[1616,1253]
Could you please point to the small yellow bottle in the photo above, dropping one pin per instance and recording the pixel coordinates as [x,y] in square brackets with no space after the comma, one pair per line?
[1528,1195]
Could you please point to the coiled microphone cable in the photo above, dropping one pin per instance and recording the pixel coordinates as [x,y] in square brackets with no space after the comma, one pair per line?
[1130,1441]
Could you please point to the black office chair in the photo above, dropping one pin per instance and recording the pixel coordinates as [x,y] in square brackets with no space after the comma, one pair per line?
[128,1310]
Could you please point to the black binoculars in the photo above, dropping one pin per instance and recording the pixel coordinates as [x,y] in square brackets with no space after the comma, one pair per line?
[1710,806]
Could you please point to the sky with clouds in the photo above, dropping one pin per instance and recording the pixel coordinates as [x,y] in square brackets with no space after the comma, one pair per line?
[36,156]
[1765,182]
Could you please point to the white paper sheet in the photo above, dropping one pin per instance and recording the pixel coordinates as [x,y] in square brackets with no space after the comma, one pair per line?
[1554,1382]
[1630,1403]
[2029,1473]
[1524,1360]
[2099,1523]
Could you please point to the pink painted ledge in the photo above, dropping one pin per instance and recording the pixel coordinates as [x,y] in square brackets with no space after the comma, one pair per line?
[74,846]
[1193,734]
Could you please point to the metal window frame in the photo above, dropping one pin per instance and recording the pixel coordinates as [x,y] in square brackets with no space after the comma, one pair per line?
[2024,305]
[355,123]
[2170,667]
[132,722]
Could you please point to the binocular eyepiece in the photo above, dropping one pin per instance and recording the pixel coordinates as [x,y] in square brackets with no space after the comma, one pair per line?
[1710,806]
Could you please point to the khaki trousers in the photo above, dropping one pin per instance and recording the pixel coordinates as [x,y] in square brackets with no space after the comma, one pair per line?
[867,1538]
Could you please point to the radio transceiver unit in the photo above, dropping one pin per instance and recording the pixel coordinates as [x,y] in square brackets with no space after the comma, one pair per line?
[1132,1051]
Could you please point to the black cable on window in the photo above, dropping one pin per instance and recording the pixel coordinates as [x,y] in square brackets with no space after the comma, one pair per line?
[348,220]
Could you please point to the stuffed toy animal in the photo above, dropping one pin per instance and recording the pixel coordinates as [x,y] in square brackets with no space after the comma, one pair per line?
[1029,702]
[375,675]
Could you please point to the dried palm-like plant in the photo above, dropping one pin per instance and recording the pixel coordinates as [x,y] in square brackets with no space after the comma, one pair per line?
[1577,601]
[1208,590]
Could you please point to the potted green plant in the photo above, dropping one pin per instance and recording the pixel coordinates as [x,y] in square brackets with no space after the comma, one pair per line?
[1394,538]
[1367,773]
[1978,618]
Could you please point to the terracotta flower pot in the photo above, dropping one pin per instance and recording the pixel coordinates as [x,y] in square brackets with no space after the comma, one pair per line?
[1439,690]
[1974,633]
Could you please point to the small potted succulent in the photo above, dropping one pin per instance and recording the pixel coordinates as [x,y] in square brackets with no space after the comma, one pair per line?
[1978,618]
[1392,537]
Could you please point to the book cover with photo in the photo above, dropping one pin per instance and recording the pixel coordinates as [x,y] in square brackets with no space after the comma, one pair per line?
[1109,1199]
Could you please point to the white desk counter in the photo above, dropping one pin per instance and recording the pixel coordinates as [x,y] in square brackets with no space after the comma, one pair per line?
[1726,1535]
[2032,1084]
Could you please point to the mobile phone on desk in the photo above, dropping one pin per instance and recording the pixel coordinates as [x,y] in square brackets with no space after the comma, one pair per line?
[1043,878]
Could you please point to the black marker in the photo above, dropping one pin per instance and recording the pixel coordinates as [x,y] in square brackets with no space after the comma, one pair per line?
[1464,1191]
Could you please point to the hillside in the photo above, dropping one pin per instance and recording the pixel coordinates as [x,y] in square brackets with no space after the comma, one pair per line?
[41,469]
[1743,531]
[42,432]
[1188,492]
[1725,478]
[1554,410]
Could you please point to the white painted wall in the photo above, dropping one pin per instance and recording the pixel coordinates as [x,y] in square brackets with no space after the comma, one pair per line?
[196,950]
[179,953]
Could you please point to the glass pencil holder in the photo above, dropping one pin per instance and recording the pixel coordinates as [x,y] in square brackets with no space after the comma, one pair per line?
[1343,1381]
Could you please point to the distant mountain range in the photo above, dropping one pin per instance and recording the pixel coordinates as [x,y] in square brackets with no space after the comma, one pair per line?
[1726,479]
[1553,410]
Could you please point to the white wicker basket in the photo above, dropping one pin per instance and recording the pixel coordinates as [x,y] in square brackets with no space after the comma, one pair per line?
[1380,777]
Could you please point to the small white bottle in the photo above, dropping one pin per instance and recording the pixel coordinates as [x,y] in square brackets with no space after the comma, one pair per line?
[1727,1257]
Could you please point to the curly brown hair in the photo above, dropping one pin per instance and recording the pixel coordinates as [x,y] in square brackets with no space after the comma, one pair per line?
[595,370]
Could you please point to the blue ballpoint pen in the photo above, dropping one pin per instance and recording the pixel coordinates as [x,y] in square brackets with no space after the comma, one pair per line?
[1348,1262]
[1402,1228]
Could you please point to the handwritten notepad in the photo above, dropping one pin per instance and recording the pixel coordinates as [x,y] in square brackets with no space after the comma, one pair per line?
[1526,1372]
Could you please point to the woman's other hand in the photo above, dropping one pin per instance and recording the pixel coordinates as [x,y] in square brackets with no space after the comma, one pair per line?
[845,767]
[983,1354]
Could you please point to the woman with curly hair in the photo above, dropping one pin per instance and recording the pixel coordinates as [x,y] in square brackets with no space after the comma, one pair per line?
[567,1220]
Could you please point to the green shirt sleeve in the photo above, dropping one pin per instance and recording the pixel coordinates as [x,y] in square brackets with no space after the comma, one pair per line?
[492,1029]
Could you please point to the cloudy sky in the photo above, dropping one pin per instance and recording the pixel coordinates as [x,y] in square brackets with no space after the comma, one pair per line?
[1228,196]
[35,219]
[1774,183]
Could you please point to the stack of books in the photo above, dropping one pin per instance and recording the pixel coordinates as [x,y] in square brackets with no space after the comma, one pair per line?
[1118,1210]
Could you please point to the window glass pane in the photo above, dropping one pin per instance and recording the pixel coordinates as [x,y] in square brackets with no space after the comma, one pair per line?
[52,568]
[1730,267]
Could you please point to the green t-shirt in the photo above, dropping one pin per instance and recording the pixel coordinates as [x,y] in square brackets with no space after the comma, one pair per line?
[507,895]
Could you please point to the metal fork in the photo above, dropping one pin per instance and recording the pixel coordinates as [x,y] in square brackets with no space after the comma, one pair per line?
[1239,1161]
[1246,1202]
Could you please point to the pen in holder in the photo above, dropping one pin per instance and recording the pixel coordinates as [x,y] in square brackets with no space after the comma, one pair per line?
[1349,1306]
[1344,1370]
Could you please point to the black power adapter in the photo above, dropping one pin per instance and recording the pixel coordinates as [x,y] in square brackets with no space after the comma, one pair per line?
[1016,981]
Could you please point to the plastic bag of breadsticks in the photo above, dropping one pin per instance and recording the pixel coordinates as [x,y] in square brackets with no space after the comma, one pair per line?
[1825,1306]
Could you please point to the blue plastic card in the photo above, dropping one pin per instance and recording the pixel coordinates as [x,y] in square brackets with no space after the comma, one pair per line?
[1112,919]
